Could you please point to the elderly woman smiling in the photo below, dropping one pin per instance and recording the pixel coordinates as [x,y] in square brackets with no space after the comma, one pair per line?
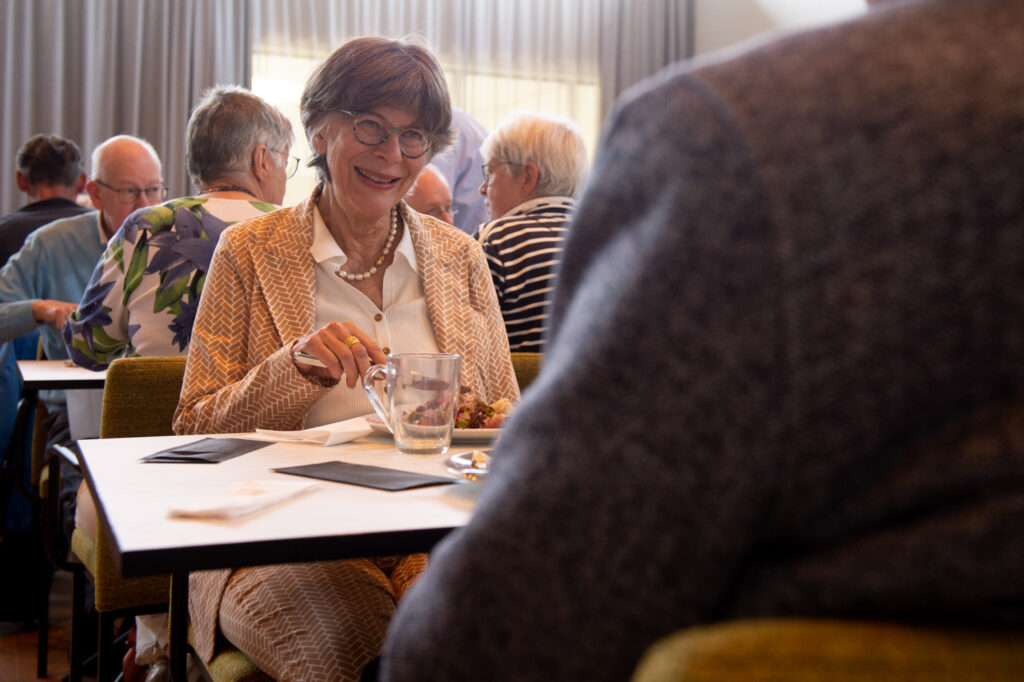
[346,276]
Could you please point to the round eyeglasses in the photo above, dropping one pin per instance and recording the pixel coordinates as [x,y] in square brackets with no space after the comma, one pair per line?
[129,195]
[373,130]
[487,172]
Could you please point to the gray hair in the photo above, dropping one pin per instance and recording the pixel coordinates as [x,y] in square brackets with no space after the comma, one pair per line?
[50,160]
[554,143]
[99,156]
[369,72]
[227,124]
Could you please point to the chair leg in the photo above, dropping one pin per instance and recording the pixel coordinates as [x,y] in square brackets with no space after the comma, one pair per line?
[78,615]
[43,635]
[106,667]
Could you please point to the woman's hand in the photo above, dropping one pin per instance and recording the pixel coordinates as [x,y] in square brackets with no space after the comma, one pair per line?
[343,348]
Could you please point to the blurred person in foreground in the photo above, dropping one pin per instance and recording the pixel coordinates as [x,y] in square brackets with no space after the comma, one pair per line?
[534,165]
[430,195]
[144,292]
[346,276]
[817,281]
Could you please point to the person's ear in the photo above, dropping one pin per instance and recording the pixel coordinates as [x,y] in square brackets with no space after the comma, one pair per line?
[530,177]
[93,188]
[262,164]
[319,140]
[23,184]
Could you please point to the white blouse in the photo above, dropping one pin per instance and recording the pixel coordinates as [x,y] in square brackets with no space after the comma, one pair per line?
[403,326]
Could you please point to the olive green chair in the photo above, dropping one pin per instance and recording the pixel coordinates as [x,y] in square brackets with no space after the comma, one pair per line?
[804,650]
[526,366]
[139,399]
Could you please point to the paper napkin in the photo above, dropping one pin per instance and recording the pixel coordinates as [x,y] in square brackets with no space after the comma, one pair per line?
[366,476]
[328,434]
[242,498]
[206,451]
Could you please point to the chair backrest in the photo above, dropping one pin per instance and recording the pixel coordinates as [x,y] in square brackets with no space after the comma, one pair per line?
[526,366]
[140,396]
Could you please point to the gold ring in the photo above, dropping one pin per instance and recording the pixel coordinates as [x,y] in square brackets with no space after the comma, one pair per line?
[351,341]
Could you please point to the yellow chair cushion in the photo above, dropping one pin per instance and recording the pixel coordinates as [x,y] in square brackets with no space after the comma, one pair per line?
[797,650]
[229,664]
[114,593]
[526,366]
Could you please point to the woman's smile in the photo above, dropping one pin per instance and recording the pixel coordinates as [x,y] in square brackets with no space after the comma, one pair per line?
[381,180]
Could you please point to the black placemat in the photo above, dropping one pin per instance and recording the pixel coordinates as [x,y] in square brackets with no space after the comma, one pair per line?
[206,451]
[366,475]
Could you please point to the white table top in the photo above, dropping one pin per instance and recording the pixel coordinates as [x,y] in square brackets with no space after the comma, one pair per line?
[58,374]
[335,521]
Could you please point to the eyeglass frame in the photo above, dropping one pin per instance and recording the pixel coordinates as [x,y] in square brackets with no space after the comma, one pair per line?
[133,192]
[486,172]
[389,129]
[288,159]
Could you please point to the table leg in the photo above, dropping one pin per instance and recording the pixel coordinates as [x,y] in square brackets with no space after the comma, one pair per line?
[179,625]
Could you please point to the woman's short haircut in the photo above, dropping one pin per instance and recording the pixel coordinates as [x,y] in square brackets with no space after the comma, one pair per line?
[225,127]
[370,72]
[50,160]
[553,143]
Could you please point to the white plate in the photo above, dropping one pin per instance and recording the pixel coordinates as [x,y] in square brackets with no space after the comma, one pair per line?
[458,435]
[462,465]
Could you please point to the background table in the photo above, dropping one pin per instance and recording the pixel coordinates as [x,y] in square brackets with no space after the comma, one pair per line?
[41,375]
[38,375]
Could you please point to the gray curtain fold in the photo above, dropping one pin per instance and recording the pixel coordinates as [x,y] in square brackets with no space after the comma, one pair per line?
[638,38]
[90,69]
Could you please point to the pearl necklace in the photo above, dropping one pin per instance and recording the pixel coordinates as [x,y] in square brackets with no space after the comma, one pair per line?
[380,261]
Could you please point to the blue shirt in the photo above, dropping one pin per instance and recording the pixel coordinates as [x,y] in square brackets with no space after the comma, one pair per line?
[55,263]
[460,166]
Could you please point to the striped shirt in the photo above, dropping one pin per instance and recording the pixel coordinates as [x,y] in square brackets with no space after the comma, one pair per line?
[523,249]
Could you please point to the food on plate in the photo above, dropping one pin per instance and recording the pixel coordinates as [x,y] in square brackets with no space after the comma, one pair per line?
[474,413]
[480,459]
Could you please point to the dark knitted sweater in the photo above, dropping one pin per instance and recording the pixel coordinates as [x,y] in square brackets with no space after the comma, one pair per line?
[786,342]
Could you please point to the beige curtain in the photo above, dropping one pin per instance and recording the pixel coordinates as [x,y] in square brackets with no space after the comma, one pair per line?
[611,44]
[89,69]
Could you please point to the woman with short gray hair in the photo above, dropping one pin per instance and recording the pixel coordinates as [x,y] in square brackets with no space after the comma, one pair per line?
[534,166]
[143,296]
